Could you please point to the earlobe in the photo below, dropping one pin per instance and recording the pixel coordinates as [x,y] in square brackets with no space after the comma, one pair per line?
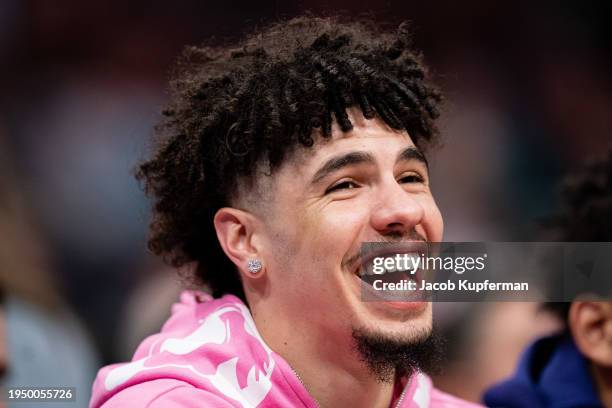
[236,231]
[591,326]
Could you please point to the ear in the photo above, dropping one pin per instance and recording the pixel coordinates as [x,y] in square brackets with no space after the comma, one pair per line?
[238,235]
[591,326]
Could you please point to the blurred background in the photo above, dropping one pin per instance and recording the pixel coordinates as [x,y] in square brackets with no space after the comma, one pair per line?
[82,85]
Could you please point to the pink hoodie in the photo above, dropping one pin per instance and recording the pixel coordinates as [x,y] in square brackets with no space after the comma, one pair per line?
[209,354]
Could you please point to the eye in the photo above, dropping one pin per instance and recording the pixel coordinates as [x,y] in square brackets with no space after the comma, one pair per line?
[344,185]
[412,178]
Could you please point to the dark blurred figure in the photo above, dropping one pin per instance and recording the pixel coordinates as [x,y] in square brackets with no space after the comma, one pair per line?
[42,344]
[484,342]
[572,368]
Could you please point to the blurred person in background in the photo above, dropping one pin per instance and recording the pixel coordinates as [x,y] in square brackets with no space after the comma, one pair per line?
[283,154]
[571,369]
[42,344]
[485,339]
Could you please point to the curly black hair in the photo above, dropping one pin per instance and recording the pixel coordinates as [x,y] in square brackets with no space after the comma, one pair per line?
[587,211]
[233,107]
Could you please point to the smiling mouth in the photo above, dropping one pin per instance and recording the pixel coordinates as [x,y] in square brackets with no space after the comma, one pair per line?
[408,252]
[392,265]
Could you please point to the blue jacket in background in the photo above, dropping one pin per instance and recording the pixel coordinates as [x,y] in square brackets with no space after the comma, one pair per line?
[552,373]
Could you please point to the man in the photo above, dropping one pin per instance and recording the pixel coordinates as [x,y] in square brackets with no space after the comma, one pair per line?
[282,156]
[39,334]
[572,369]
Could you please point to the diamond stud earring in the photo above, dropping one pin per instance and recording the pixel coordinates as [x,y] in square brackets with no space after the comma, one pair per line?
[254,265]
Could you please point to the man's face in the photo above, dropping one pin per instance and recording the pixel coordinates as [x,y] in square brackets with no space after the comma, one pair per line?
[367,185]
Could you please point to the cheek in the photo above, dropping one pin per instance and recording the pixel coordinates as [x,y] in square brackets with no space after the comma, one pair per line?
[331,231]
[321,236]
[432,220]
[342,221]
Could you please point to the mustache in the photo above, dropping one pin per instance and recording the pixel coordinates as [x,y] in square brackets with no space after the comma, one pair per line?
[395,238]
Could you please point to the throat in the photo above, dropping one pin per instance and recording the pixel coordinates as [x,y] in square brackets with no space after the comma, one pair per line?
[335,387]
[329,376]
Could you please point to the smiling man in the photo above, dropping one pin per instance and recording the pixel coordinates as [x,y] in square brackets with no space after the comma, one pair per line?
[281,157]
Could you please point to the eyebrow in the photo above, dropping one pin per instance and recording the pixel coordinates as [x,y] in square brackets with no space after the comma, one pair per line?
[412,153]
[336,163]
[353,158]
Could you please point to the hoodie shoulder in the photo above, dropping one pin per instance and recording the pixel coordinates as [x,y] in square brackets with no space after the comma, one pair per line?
[208,350]
[165,393]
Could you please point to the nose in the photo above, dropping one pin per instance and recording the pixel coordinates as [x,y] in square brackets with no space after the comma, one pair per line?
[396,211]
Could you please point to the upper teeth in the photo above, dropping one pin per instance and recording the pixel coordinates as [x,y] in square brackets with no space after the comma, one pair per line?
[389,270]
[400,262]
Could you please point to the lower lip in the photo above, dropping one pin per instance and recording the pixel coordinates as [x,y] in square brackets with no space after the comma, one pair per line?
[414,306]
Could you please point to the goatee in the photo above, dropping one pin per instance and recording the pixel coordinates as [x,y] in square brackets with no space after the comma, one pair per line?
[392,356]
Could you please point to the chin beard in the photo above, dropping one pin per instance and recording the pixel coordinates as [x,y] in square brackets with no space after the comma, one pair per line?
[390,356]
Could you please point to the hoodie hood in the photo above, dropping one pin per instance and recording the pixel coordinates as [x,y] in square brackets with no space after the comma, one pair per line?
[552,373]
[210,350]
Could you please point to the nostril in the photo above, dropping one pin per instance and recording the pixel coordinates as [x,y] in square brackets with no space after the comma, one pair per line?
[395,232]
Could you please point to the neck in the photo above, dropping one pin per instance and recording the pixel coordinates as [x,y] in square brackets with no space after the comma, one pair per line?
[603,381]
[328,366]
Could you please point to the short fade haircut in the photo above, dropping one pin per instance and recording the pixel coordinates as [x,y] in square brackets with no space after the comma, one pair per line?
[257,101]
